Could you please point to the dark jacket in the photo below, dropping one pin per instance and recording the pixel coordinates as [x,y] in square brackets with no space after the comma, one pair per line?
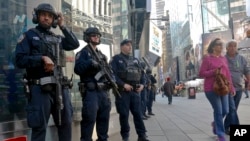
[30,49]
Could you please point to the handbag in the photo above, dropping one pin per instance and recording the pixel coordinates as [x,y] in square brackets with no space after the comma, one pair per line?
[221,84]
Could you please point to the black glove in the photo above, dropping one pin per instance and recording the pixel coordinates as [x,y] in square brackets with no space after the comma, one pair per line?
[95,64]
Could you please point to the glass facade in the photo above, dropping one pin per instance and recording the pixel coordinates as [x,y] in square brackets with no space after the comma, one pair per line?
[120,22]
[16,18]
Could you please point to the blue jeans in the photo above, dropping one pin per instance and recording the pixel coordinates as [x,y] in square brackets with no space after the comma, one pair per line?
[221,108]
[246,92]
[232,116]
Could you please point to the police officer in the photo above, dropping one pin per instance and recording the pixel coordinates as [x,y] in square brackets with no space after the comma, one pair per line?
[128,77]
[143,93]
[96,102]
[35,51]
[151,91]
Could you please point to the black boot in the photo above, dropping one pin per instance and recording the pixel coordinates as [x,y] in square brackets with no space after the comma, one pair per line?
[151,113]
[143,138]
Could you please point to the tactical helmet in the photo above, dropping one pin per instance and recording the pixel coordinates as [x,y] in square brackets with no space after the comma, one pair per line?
[90,30]
[148,71]
[143,65]
[46,7]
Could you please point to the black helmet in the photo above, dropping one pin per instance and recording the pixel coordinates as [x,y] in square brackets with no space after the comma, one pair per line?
[143,65]
[88,31]
[45,7]
[148,71]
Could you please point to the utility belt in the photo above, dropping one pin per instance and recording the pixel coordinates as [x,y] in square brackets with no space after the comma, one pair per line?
[135,86]
[47,83]
[83,87]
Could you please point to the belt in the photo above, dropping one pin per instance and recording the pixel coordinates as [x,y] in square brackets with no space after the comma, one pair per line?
[34,81]
[43,80]
[99,86]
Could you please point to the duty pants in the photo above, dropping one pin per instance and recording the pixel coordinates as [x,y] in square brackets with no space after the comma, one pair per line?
[39,108]
[130,101]
[150,100]
[96,109]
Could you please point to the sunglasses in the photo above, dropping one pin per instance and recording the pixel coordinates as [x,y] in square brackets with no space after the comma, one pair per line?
[95,35]
[219,44]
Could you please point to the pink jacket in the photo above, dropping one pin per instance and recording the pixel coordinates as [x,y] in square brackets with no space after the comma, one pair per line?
[207,70]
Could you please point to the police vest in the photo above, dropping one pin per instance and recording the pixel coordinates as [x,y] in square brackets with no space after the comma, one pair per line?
[132,73]
[48,46]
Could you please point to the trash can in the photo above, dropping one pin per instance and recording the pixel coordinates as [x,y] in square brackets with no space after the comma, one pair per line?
[191,93]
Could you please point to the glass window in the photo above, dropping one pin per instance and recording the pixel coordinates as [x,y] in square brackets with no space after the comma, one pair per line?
[13,23]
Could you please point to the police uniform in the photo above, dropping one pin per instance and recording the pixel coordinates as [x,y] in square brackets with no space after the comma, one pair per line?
[34,44]
[143,93]
[151,91]
[95,99]
[127,70]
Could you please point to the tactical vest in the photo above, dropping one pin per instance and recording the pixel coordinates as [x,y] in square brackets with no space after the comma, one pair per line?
[132,73]
[48,47]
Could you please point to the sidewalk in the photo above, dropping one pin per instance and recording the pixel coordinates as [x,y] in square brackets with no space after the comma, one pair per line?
[184,120]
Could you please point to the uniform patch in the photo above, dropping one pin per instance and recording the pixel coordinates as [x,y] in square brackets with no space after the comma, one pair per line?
[20,39]
[36,38]
[78,56]
[120,61]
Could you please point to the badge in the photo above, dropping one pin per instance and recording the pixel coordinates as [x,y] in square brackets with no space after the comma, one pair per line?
[120,61]
[36,38]
[20,39]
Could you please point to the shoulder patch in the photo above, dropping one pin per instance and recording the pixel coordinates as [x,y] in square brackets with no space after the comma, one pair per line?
[78,56]
[20,39]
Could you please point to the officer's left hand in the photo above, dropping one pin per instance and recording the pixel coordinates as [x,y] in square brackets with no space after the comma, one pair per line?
[60,20]
[140,88]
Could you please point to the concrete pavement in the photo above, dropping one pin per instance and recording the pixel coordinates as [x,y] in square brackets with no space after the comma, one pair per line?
[184,120]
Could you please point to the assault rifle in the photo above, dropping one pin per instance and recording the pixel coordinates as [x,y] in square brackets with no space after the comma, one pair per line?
[106,72]
[58,78]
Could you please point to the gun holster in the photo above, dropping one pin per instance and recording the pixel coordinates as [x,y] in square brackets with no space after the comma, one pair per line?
[26,87]
[67,82]
[82,88]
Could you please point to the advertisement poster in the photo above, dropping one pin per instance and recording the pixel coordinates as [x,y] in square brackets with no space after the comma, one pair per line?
[155,39]
[208,37]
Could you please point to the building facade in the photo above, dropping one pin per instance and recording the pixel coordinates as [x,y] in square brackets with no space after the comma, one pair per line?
[16,18]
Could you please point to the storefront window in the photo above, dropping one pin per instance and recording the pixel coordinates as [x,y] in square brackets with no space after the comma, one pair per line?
[13,24]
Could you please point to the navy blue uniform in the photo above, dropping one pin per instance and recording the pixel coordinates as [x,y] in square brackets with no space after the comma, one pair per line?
[151,93]
[96,102]
[129,100]
[29,52]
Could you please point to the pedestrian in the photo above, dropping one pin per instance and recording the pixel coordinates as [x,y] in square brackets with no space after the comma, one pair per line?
[168,88]
[129,80]
[246,88]
[212,62]
[36,52]
[151,91]
[239,68]
[96,103]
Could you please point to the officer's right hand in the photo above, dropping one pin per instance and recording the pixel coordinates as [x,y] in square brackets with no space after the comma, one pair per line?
[128,87]
[48,64]
[95,64]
